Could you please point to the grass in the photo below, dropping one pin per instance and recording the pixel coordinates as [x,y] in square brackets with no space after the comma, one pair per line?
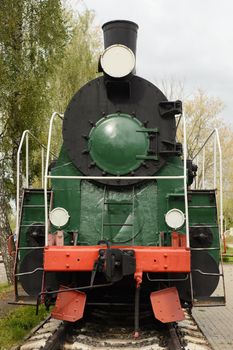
[5,288]
[17,324]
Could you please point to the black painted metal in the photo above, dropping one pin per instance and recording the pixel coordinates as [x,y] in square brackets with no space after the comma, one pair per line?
[31,283]
[200,237]
[92,103]
[136,310]
[203,284]
[120,32]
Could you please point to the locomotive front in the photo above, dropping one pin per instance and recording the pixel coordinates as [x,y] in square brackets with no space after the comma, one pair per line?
[119,228]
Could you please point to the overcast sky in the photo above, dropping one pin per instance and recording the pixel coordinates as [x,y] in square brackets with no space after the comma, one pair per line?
[185,40]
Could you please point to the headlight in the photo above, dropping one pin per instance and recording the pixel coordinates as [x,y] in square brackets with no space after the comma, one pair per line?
[117,61]
[59,217]
[175,218]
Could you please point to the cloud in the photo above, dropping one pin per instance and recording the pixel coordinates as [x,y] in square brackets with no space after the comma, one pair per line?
[187,40]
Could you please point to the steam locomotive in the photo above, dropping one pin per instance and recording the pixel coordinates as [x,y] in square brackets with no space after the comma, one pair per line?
[119,223]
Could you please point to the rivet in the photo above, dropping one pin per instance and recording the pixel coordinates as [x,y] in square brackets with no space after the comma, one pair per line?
[165,255]
[165,266]
[67,254]
[67,266]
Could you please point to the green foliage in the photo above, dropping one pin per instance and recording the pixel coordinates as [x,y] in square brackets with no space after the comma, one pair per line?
[32,39]
[17,323]
[80,60]
[78,65]
[46,54]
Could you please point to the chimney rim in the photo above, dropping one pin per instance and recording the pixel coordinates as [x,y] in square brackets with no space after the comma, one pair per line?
[123,21]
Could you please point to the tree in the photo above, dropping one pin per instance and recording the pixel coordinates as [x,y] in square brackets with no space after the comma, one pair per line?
[32,37]
[80,60]
[78,66]
[202,116]
[46,54]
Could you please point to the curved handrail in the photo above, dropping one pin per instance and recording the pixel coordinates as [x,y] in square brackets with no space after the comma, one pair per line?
[46,177]
[25,138]
[217,145]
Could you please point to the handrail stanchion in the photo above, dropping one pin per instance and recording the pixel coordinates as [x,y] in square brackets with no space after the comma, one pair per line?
[27,161]
[42,167]
[203,168]
[215,160]
[197,176]
[18,181]
[186,185]
[217,145]
[220,182]
[25,136]
[46,176]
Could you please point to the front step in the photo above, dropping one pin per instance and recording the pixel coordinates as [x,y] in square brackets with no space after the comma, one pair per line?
[24,300]
[209,301]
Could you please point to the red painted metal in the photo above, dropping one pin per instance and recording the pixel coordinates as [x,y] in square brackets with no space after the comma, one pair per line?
[148,259]
[178,240]
[51,239]
[59,238]
[166,305]
[69,306]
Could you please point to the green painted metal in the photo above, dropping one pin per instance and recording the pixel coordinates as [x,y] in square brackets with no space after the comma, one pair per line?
[32,213]
[117,142]
[134,215]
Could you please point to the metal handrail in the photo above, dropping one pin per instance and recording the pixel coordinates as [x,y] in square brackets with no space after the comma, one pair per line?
[217,145]
[25,137]
[47,177]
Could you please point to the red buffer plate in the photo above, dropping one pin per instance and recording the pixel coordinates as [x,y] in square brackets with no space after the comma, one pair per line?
[166,305]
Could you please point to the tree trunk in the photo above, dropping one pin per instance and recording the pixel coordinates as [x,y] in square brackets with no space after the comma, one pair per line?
[5,232]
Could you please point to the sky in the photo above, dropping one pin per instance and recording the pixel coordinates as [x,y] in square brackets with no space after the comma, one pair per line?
[186,41]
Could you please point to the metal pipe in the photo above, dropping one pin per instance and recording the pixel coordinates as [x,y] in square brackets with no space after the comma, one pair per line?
[18,181]
[25,135]
[199,151]
[68,177]
[186,184]
[203,168]
[27,162]
[46,177]
[136,311]
[220,182]
[197,177]
[42,167]
[215,162]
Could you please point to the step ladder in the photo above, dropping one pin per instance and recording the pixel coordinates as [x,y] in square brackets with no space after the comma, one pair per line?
[213,300]
[21,297]
[105,209]
[210,301]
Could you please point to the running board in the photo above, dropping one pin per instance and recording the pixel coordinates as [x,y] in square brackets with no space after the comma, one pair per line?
[209,301]
[24,300]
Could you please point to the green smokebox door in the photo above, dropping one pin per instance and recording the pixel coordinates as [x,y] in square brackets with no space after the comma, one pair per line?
[116,141]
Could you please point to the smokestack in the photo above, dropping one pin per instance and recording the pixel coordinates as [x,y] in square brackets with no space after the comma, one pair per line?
[120,32]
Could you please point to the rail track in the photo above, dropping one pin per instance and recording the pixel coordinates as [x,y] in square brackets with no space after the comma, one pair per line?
[56,335]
